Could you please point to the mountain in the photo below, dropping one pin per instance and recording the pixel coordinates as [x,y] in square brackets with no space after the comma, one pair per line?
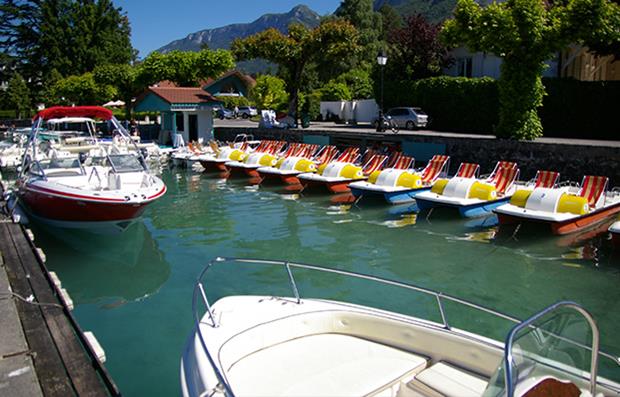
[223,37]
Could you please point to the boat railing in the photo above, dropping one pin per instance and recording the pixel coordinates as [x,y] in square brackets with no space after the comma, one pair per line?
[439,297]
[509,362]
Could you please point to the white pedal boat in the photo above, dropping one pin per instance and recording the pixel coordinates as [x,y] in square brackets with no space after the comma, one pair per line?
[293,346]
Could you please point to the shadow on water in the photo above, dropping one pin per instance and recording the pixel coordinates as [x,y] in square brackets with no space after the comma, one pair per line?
[127,267]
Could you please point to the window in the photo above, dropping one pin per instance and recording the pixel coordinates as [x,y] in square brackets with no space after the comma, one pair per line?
[464,67]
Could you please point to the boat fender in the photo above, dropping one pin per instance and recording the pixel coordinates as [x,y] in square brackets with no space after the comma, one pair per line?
[268,160]
[237,155]
[482,191]
[409,180]
[573,204]
[439,186]
[372,178]
[520,197]
[352,172]
[305,165]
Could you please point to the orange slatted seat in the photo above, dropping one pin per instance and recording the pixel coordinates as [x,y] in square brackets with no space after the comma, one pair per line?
[403,163]
[546,179]
[434,168]
[374,163]
[327,154]
[593,188]
[349,154]
[498,169]
[468,170]
[505,178]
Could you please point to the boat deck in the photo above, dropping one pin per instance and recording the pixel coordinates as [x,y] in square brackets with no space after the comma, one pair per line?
[43,352]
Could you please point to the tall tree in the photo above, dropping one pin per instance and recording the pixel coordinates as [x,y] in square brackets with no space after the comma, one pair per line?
[82,90]
[390,20]
[368,23]
[293,52]
[18,96]
[525,33]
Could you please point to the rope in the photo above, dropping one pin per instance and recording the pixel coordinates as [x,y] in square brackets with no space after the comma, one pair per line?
[6,295]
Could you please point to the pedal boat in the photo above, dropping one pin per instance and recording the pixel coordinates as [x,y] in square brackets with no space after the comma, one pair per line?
[246,165]
[565,209]
[398,184]
[472,197]
[337,175]
[307,159]
[103,194]
[295,346]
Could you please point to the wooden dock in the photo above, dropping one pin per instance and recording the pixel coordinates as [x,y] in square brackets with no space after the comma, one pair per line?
[43,351]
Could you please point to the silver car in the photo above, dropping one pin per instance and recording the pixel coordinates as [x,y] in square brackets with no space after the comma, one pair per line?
[408,118]
[247,111]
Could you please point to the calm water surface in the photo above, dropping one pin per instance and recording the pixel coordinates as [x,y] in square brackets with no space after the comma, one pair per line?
[134,291]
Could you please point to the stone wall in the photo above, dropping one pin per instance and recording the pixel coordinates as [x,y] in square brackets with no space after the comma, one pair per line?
[571,160]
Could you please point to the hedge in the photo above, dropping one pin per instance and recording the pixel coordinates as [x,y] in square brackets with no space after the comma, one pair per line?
[571,108]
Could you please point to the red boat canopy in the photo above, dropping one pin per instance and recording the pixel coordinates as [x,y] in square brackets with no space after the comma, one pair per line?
[75,111]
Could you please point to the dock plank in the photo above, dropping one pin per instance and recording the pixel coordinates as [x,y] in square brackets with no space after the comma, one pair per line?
[49,367]
[80,369]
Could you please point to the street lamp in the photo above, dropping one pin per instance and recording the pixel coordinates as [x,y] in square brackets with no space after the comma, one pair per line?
[381,61]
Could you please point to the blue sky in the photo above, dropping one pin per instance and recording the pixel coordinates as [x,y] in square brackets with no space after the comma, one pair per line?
[155,23]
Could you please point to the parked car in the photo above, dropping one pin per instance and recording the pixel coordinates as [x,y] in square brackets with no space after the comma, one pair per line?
[247,112]
[223,113]
[408,118]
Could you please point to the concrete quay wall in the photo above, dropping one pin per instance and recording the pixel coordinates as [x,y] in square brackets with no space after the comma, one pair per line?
[572,160]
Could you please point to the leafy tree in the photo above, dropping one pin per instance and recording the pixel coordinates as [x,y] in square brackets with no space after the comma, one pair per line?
[83,90]
[368,23]
[358,82]
[18,96]
[71,36]
[390,20]
[335,91]
[293,52]
[124,78]
[185,68]
[525,33]
[269,93]
[416,50]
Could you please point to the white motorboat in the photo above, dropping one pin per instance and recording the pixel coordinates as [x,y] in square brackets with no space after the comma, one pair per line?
[248,345]
[82,186]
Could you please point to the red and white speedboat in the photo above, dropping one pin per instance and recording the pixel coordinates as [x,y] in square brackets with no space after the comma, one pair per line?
[104,193]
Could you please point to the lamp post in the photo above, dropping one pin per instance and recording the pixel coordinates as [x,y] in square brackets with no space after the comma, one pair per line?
[381,61]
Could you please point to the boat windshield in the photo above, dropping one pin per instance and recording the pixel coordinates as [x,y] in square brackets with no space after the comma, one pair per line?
[558,344]
[125,163]
[68,162]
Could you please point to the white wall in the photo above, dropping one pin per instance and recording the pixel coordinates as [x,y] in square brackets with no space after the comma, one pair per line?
[486,64]
[362,110]
[205,124]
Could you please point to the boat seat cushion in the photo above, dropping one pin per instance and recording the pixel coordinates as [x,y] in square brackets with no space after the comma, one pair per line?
[323,365]
[448,380]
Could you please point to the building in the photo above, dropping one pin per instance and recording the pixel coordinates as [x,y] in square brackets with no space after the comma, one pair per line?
[184,110]
[233,83]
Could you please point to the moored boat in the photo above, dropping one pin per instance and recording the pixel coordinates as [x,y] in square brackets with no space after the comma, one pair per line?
[398,183]
[87,188]
[305,158]
[470,196]
[253,345]
[264,155]
[614,230]
[563,209]
[337,175]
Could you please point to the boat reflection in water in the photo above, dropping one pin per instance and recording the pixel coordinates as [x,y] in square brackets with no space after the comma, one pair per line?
[125,267]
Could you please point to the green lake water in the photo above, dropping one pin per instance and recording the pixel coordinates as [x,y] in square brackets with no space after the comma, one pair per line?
[134,291]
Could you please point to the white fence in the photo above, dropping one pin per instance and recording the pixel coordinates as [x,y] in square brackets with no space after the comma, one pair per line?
[360,111]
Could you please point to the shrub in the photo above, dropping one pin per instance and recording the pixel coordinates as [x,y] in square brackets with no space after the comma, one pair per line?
[230,102]
[334,91]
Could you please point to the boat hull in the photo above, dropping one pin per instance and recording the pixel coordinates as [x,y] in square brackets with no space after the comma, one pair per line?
[213,166]
[394,197]
[468,211]
[330,186]
[567,226]
[275,178]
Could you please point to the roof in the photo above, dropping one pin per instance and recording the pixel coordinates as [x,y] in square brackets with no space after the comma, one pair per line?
[247,80]
[75,111]
[183,94]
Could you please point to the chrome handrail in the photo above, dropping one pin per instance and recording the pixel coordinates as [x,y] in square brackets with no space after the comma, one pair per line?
[439,297]
[508,359]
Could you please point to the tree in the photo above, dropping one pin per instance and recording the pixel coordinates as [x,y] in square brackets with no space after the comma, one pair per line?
[416,51]
[71,36]
[124,78]
[293,52]
[18,96]
[368,23]
[335,91]
[358,82]
[83,90]
[185,68]
[525,33]
[390,20]
[269,92]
